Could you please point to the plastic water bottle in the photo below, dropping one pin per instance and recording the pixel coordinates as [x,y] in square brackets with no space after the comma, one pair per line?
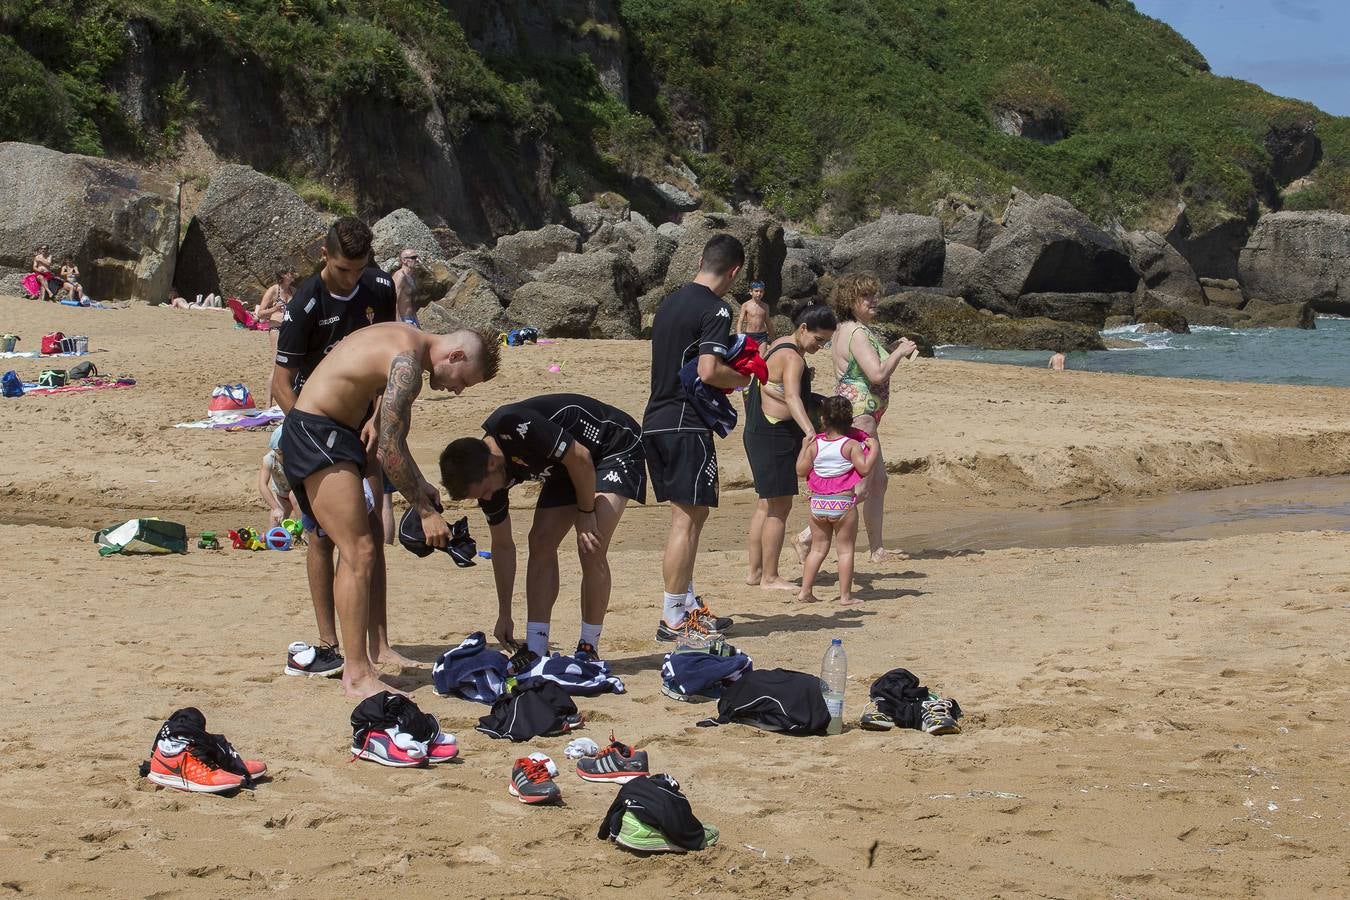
[833,677]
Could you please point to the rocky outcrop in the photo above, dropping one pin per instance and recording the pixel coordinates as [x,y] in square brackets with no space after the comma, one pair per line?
[1213,250]
[117,222]
[975,229]
[1296,257]
[1167,319]
[902,250]
[799,279]
[764,254]
[651,259]
[1161,267]
[950,320]
[1087,308]
[537,249]
[1049,247]
[601,288]
[401,230]
[1225,292]
[504,276]
[1294,149]
[248,226]
[957,265]
[469,303]
[1260,314]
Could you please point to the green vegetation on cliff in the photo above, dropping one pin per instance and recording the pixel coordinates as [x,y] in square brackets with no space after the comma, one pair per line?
[829,109]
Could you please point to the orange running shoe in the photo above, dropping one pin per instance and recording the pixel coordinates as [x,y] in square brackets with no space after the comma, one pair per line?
[185,772]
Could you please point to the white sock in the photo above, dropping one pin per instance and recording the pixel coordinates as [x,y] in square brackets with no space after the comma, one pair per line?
[673,612]
[690,598]
[590,634]
[536,636]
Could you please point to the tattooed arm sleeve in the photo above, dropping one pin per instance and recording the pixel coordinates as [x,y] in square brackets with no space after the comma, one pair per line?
[405,383]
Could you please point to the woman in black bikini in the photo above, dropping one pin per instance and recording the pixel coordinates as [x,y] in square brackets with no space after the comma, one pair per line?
[776,423]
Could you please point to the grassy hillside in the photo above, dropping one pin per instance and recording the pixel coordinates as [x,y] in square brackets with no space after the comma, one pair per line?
[829,109]
[869,103]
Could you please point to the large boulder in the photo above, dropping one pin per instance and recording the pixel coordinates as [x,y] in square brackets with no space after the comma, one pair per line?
[1225,292]
[976,229]
[1211,249]
[1298,257]
[651,259]
[248,226]
[950,320]
[799,279]
[537,249]
[1167,319]
[401,230]
[1088,308]
[1193,313]
[905,250]
[819,246]
[469,303]
[1161,267]
[959,261]
[504,276]
[764,252]
[117,222]
[557,310]
[606,278]
[1050,248]
[1261,314]
[591,216]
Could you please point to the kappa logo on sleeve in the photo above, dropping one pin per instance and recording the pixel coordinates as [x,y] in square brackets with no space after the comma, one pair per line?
[724,313]
[523,428]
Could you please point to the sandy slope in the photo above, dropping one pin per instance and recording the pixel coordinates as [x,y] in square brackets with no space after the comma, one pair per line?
[1144,720]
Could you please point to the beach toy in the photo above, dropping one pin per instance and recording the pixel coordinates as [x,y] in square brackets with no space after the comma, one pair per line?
[7,343]
[208,541]
[295,528]
[245,538]
[278,538]
[485,554]
[556,368]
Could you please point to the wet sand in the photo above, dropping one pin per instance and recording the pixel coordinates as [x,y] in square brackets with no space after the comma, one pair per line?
[1144,719]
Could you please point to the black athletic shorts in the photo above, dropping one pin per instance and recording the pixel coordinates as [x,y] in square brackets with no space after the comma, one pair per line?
[623,473]
[683,466]
[773,451]
[311,443]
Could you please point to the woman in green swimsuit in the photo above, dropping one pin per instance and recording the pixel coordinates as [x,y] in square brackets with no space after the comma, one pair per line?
[865,367]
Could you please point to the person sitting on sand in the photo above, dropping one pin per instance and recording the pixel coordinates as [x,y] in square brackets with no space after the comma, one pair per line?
[47,279]
[326,460]
[589,457]
[753,319]
[834,464]
[1057,362]
[70,274]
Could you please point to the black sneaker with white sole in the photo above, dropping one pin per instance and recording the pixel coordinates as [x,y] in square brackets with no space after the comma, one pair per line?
[322,661]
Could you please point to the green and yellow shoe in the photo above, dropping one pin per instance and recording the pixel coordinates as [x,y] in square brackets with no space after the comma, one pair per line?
[637,835]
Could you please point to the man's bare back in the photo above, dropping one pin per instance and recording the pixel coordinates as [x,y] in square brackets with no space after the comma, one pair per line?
[357,371]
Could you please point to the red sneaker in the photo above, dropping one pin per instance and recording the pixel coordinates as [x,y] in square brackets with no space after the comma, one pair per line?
[381,747]
[442,748]
[532,780]
[185,772]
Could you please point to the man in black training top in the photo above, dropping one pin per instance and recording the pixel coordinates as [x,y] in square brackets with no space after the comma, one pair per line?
[346,295]
[590,459]
[693,322]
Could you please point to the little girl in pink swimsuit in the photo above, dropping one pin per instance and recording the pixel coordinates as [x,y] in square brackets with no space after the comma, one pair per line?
[834,462]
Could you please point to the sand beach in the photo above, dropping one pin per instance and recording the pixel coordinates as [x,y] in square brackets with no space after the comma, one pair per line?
[1143,719]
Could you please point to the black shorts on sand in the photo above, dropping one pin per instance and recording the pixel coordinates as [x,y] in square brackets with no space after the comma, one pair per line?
[623,473]
[683,465]
[772,451]
[311,443]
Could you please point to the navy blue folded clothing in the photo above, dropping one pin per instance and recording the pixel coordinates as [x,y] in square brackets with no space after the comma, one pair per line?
[575,676]
[471,671]
[698,674]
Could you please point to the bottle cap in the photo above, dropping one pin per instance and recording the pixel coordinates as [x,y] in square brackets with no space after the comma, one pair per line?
[839,641]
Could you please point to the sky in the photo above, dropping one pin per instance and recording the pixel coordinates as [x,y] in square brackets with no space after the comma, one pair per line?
[1293,48]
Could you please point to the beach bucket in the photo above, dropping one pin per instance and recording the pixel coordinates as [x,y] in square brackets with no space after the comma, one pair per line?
[81,344]
[7,343]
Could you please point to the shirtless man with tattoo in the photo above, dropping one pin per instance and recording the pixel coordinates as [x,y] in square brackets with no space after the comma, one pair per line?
[325,456]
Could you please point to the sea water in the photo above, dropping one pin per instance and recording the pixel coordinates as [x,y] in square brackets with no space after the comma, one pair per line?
[1320,356]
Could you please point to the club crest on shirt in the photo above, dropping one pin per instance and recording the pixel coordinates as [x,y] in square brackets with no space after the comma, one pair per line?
[370,315]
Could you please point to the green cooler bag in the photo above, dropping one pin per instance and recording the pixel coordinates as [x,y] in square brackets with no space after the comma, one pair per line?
[142,536]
